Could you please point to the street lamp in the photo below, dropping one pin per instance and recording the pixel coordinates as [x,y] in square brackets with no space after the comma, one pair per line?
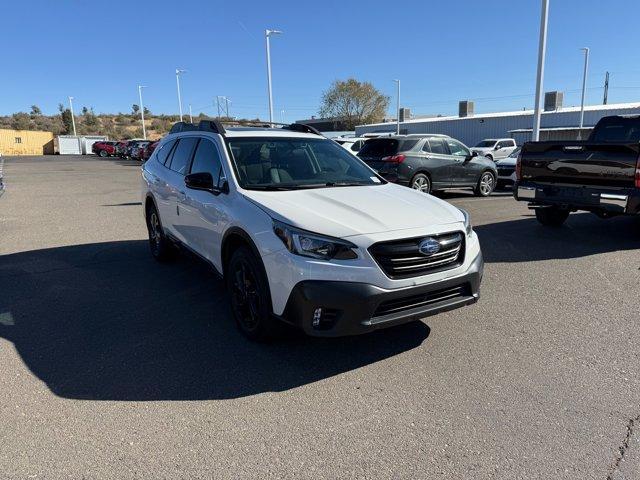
[267,34]
[144,130]
[398,108]
[542,48]
[584,87]
[178,73]
[73,117]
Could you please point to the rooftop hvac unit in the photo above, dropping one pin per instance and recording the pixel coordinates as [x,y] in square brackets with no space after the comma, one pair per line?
[466,108]
[405,114]
[553,101]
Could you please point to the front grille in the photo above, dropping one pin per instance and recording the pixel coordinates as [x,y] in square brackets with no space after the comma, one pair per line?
[403,259]
[506,171]
[422,300]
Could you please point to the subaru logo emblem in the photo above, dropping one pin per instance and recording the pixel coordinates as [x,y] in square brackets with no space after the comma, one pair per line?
[429,246]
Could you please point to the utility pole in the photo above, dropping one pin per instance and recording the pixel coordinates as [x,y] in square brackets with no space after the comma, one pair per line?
[218,105]
[144,130]
[178,73]
[190,114]
[226,101]
[606,88]
[73,117]
[584,87]
[267,34]
[398,108]
[542,48]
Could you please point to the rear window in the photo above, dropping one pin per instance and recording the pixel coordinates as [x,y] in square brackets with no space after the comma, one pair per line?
[382,147]
[620,130]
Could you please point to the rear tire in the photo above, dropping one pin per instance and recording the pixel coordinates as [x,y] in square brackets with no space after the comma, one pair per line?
[250,300]
[103,153]
[161,247]
[551,216]
[421,182]
[486,184]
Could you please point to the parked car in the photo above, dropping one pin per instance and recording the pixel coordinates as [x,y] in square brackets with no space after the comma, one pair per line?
[149,150]
[599,175]
[104,148]
[128,148]
[353,144]
[121,148]
[429,162]
[138,148]
[304,232]
[495,148]
[507,169]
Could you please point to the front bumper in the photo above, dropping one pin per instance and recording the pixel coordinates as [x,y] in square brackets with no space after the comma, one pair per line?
[351,308]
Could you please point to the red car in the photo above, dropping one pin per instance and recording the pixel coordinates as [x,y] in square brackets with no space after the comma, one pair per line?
[104,149]
[149,150]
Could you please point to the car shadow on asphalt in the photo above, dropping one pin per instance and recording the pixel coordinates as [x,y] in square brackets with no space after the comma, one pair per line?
[583,234]
[106,322]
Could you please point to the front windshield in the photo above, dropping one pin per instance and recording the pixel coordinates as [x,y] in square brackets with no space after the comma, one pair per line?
[263,163]
[515,153]
[486,143]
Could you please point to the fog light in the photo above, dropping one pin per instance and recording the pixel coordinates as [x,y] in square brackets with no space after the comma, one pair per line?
[317,315]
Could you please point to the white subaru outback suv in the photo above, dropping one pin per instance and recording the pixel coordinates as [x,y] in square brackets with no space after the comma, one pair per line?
[304,232]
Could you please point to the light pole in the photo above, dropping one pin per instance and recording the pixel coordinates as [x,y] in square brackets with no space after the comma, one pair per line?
[267,34]
[73,117]
[190,114]
[398,108]
[584,87]
[144,129]
[542,47]
[178,73]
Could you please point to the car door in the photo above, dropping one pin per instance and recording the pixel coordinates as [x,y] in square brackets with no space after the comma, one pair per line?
[204,215]
[462,170]
[437,162]
[178,166]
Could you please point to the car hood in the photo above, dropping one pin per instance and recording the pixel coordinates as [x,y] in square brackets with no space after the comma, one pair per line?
[506,162]
[348,211]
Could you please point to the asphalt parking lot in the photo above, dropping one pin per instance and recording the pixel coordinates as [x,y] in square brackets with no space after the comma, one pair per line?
[114,366]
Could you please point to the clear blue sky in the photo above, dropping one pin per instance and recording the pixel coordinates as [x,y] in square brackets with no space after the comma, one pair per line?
[443,51]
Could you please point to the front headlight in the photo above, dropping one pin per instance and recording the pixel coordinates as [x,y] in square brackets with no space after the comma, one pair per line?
[312,245]
[467,221]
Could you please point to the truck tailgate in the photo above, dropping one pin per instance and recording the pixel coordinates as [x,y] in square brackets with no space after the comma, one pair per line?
[580,163]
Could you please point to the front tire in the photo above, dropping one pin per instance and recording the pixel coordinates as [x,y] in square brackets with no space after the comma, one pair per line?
[161,248]
[551,216]
[250,299]
[486,184]
[421,182]
[103,153]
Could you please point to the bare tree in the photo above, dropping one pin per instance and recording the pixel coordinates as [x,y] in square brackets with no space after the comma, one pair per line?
[354,102]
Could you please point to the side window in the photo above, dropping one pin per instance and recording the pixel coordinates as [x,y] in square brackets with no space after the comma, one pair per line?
[182,154]
[165,150]
[356,146]
[207,159]
[426,147]
[456,148]
[437,146]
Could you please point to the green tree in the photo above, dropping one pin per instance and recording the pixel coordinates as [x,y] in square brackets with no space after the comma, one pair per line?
[35,111]
[147,111]
[21,121]
[354,102]
[135,108]
[67,120]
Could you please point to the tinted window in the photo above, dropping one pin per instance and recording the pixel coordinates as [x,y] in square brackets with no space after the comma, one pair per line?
[182,154]
[506,144]
[291,163]
[426,147]
[456,148]
[356,146]
[164,151]
[515,153]
[617,129]
[379,147]
[486,143]
[407,145]
[437,146]
[207,159]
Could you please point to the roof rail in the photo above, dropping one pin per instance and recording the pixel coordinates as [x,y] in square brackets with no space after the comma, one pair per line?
[211,126]
[302,128]
[182,127]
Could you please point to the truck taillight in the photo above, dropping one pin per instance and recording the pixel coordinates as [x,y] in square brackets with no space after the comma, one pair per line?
[394,159]
[519,167]
[638,173]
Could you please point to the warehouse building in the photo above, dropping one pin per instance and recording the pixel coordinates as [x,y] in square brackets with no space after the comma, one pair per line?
[25,142]
[557,123]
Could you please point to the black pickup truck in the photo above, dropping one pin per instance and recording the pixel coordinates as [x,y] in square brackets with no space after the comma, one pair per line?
[599,175]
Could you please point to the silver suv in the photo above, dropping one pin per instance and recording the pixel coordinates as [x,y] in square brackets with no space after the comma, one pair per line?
[495,148]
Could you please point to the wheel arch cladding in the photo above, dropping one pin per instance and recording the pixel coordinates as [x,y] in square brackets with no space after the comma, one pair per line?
[234,238]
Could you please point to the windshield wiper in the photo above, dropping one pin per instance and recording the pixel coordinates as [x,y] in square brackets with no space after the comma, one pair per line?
[345,184]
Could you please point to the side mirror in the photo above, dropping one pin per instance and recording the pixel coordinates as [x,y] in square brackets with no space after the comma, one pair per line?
[497,147]
[204,181]
[468,158]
